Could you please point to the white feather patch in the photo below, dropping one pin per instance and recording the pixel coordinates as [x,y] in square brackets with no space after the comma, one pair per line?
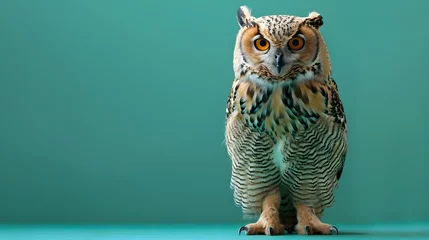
[278,156]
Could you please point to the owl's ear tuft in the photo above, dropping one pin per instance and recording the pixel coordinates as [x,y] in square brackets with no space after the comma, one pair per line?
[315,20]
[244,17]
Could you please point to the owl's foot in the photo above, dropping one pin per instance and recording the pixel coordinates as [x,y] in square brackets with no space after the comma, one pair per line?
[259,229]
[316,229]
[269,222]
[310,224]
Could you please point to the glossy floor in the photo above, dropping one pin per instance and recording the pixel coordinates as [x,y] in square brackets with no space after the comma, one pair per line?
[201,231]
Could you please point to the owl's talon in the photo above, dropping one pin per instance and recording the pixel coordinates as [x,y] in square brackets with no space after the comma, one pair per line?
[334,229]
[270,231]
[307,230]
[243,228]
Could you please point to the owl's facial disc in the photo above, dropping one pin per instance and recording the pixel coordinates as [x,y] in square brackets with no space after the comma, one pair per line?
[280,56]
[280,47]
[276,57]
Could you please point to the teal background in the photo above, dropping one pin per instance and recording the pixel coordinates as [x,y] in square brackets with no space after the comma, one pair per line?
[113,111]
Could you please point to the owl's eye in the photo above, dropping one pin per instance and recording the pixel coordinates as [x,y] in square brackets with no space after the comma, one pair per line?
[262,44]
[296,43]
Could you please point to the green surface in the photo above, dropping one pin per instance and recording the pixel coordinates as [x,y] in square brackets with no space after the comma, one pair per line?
[112,111]
[127,232]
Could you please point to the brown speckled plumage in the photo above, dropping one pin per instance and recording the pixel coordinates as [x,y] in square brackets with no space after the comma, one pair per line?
[286,130]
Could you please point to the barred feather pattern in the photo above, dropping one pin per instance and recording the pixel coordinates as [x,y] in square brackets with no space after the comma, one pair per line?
[314,161]
[254,173]
[309,121]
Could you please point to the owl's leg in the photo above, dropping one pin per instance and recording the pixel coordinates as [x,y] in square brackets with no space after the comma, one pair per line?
[269,221]
[310,224]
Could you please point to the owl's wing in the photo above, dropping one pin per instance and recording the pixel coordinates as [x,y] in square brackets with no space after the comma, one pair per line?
[336,110]
[229,102]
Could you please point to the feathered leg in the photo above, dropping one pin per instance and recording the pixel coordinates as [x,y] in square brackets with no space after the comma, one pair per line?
[269,222]
[255,177]
[310,224]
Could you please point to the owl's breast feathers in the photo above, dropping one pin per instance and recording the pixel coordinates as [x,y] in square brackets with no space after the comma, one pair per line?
[284,111]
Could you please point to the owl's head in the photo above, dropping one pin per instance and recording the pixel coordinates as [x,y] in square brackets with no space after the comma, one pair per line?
[280,48]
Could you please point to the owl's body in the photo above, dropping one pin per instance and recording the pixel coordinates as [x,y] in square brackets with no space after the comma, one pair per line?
[286,130]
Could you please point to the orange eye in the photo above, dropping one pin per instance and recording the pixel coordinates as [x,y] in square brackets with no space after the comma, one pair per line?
[262,44]
[296,43]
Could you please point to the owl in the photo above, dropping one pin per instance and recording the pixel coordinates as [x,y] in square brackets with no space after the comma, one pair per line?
[285,128]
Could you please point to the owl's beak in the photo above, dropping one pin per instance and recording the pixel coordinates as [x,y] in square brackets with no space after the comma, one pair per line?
[279,62]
